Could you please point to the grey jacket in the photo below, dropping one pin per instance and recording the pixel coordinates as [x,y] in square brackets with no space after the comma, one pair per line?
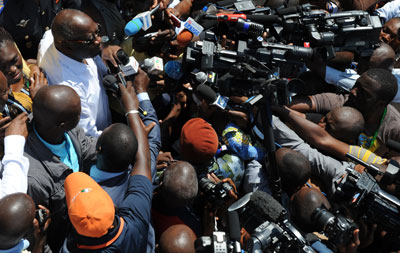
[46,178]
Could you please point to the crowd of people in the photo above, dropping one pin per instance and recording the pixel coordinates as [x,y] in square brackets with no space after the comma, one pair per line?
[132,168]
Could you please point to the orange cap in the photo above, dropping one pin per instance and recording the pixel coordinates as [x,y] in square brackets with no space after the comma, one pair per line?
[90,209]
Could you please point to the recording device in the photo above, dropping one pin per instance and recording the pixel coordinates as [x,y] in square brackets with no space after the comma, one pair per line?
[129,65]
[153,66]
[211,97]
[216,194]
[218,243]
[391,174]
[362,192]
[265,219]
[142,21]
[41,216]
[338,229]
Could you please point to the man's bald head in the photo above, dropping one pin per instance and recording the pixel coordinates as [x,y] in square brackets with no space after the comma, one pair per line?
[294,169]
[344,123]
[57,106]
[76,34]
[17,212]
[179,184]
[177,238]
[303,204]
[68,23]
[383,57]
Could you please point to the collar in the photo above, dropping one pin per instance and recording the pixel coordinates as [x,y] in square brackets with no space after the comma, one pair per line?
[100,175]
[22,245]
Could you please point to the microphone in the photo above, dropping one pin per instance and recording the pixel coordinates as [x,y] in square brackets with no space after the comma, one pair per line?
[234,230]
[266,207]
[249,27]
[110,83]
[153,66]
[173,69]
[211,97]
[393,145]
[184,38]
[129,65]
[142,21]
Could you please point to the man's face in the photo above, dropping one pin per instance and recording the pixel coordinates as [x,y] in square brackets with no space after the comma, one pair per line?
[389,34]
[363,96]
[10,62]
[87,41]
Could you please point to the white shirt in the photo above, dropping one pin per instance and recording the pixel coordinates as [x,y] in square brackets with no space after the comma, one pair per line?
[389,10]
[85,79]
[15,166]
[348,78]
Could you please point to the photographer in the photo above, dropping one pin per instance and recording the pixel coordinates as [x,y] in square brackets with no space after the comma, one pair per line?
[302,207]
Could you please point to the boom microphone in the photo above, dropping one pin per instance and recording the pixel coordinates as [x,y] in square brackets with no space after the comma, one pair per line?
[266,207]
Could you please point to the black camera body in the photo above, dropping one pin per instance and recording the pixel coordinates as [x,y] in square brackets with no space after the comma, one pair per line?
[338,229]
[361,191]
[216,194]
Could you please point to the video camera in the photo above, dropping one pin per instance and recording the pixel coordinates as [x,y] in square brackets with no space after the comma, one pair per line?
[275,233]
[355,31]
[361,191]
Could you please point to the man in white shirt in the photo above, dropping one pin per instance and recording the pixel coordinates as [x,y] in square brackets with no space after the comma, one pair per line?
[14,170]
[69,55]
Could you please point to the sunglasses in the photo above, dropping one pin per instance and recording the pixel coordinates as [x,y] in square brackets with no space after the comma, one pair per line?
[96,34]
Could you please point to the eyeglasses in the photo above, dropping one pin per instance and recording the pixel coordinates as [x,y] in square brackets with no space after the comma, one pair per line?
[96,34]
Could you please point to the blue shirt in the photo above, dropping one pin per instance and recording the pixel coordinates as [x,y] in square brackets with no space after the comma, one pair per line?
[22,245]
[65,151]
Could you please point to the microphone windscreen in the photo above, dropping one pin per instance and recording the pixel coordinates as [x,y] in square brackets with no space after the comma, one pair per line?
[133,27]
[184,38]
[234,226]
[266,207]
[173,69]
[123,57]
[206,93]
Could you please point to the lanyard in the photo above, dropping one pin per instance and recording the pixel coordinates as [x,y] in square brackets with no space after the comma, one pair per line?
[377,130]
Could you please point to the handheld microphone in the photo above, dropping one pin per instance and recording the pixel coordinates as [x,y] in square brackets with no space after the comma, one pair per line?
[129,65]
[173,69]
[184,38]
[211,97]
[110,83]
[153,65]
[142,21]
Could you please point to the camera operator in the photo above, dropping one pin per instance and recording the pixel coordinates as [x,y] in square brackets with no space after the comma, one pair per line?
[371,95]
[303,205]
